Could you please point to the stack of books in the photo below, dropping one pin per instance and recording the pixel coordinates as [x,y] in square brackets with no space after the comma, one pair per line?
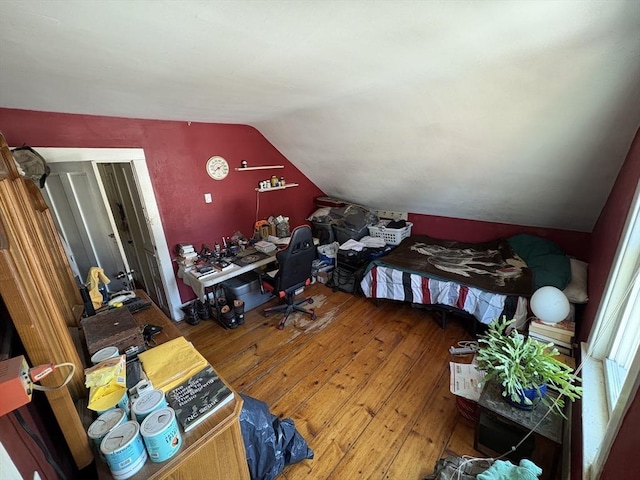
[187,256]
[560,334]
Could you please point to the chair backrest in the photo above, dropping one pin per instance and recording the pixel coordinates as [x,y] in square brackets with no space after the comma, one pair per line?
[295,260]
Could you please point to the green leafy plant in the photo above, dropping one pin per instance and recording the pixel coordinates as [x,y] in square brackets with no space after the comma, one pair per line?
[518,363]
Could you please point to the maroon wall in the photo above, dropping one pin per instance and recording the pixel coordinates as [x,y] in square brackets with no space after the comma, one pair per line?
[605,238]
[574,243]
[176,154]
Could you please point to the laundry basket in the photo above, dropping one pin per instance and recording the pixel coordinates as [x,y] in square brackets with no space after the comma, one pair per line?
[391,236]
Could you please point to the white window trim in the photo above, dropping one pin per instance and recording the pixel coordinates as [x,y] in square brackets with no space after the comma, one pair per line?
[600,420]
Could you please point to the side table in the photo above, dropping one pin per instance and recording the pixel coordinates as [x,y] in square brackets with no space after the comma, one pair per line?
[500,426]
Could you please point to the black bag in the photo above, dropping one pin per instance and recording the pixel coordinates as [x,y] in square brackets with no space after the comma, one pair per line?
[347,279]
[270,443]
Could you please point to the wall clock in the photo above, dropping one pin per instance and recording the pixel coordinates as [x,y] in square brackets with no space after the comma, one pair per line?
[217,168]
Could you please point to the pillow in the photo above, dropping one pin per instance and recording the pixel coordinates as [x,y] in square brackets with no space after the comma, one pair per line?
[531,246]
[549,263]
[550,269]
[576,291]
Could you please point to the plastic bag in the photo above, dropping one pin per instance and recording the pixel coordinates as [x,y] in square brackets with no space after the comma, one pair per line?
[270,443]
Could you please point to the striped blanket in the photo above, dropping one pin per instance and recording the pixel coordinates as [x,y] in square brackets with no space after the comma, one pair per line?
[394,284]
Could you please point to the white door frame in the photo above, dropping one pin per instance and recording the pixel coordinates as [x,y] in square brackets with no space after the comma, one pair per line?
[136,157]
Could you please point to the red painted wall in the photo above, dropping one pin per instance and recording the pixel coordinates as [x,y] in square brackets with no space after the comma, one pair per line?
[176,154]
[605,238]
[574,243]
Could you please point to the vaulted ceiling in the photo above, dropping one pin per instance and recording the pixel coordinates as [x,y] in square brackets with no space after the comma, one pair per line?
[516,112]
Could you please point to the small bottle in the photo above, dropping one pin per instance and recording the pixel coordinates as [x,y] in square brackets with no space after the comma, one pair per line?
[274,181]
[282,182]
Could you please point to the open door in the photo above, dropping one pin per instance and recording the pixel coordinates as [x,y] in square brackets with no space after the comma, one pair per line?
[138,244]
[94,191]
[78,207]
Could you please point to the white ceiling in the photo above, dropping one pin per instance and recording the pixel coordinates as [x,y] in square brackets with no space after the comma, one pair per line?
[516,112]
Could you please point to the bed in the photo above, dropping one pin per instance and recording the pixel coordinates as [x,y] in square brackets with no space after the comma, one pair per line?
[484,280]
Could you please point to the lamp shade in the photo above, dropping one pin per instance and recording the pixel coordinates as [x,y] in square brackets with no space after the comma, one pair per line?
[550,305]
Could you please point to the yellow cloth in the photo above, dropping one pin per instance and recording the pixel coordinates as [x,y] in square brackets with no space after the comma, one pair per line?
[170,363]
[96,275]
[107,383]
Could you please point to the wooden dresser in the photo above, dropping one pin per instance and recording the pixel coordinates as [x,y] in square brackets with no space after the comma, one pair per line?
[214,449]
[44,302]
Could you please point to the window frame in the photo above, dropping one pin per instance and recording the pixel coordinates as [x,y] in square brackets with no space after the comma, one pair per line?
[608,392]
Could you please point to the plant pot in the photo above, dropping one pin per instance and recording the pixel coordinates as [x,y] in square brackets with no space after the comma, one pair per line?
[533,394]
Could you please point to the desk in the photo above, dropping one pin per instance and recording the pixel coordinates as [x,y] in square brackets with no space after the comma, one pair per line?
[214,450]
[200,283]
[501,425]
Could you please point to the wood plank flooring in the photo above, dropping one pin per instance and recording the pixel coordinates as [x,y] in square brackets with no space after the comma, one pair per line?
[367,386]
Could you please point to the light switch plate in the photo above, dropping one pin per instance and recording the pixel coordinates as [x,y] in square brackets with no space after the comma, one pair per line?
[207,198]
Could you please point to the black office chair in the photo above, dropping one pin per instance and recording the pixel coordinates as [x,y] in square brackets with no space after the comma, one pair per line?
[293,275]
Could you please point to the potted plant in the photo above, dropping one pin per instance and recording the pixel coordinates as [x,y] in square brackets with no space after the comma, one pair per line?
[524,368]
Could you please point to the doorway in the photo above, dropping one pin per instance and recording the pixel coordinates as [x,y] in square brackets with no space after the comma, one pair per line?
[103,203]
[139,249]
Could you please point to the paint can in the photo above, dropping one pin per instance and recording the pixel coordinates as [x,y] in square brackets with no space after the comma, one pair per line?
[161,434]
[124,450]
[103,425]
[123,403]
[104,354]
[148,403]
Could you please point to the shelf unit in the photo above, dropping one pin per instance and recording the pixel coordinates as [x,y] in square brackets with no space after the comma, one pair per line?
[260,167]
[288,185]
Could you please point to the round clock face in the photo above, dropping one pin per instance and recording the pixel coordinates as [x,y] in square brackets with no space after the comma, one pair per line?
[217,168]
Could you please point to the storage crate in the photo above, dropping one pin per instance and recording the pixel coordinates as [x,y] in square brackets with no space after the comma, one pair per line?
[391,236]
[323,231]
[343,233]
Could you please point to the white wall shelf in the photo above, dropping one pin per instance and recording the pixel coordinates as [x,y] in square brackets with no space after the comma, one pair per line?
[260,167]
[288,185]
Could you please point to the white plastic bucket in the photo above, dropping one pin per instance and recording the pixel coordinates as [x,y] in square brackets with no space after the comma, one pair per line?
[161,434]
[124,450]
[103,425]
[148,403]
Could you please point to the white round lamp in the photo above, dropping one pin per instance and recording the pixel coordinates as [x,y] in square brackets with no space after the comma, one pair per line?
[550,305]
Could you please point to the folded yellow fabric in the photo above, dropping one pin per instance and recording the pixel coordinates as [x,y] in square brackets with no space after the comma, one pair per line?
[170,363]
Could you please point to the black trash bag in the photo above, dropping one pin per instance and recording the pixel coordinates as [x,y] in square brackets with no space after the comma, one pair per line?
[270,443]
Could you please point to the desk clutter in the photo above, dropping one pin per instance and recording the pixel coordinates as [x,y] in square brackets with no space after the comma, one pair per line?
[178,390]
[268,236]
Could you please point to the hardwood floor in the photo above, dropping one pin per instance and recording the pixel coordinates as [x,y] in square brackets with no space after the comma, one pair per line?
[367,386]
